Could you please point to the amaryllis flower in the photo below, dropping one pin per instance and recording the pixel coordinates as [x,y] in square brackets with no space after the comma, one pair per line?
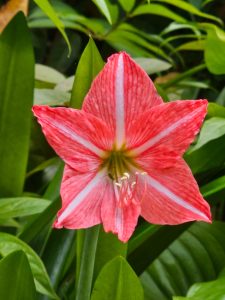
[123,153]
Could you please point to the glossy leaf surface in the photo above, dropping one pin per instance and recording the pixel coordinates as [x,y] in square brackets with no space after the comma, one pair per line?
[117,281]
[16,98]
[16,278]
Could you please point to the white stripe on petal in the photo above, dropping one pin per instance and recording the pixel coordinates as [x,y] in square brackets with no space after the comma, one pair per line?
[155,139]
[75,137]
[119,94]
[81,196]
[119,219]
[173,197]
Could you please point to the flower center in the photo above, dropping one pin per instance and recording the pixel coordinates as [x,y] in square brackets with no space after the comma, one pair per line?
[118,162]
[125,173]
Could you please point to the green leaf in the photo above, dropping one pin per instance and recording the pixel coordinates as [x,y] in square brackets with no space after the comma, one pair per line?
[88,67]
[146,236]
[153,65]
[210,156]
[39,223]
[16,94]
[59,249]
[213,187]
[197,255]
[19,207]
[51,13]
[109,9]
[159,10]
[191,9]
[198,45]
[117,281]
[137,44]
[9,244]
[16,279]
[127,4]
[209,151]
[212,129]
[215,50]
[215,110]
[109,246]
[206,290]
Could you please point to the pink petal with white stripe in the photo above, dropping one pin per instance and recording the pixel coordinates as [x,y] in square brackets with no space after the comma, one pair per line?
[79,138]
[172,196]
[119,219]
[82,195]
[120,93]
[173,125]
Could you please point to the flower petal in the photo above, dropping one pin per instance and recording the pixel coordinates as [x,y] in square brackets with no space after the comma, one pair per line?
[120,220]
[77,137]
[173,125]
[82,195]
[120,93]
[159,157]
[172,196]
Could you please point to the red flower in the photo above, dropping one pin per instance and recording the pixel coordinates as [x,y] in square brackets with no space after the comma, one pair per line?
[123,153]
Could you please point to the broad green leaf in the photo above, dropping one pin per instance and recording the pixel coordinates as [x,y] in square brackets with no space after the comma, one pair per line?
[198,45]
[119,39]
[213,187]
[9,244]
[210,156]
[212,129]
[47,8]
[109,246]
[119,42]
[159,10]
[19,207]
[190,9]
[109,9]
[197,255]
[117,281]
[153,65]
[215,50]
[9,223]
[212,290]
[215,110]
[146,236]
[16,98]
[16,278]
[47,74]
[176,26]
[88,67]
[127,4]
[58,254]
[38,224]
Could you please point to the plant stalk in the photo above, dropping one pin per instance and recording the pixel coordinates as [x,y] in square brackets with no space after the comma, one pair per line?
[84,286]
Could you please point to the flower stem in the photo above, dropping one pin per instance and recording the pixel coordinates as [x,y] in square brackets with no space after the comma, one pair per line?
[87,263]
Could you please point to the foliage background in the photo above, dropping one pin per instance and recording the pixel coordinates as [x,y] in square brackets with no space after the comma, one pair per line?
[181,44]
